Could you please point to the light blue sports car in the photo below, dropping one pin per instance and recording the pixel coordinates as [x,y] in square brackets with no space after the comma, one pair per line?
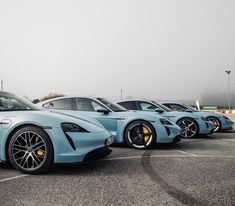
[32,139]
[138,130]
[220,121]
[191,124]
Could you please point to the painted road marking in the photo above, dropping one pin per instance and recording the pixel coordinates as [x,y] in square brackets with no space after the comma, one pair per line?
[137,157]
[13,178]
[230,140]
[159,156]
[191,154]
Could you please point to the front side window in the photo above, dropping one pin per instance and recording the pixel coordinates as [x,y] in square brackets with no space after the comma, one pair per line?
[9,102]
[64,104]
[113,106]
[84,104]
[129,105]
[176,107]
[147,106]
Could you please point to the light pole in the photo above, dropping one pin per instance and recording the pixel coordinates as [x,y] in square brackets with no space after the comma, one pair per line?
[121,93]
[1,85]
[229,99]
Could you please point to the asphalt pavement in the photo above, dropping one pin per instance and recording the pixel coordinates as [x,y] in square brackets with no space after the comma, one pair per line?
[197,171]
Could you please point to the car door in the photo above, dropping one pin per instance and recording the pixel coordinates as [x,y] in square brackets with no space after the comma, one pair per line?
[91,107]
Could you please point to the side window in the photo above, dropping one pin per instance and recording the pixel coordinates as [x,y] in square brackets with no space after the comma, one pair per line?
[9,103]
[65,104]
[167,105]
[176,107]
[83,104]
[147,106]
[129,105]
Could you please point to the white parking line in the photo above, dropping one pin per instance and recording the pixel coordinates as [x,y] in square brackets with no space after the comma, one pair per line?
[186,154]
[13,178]
[138,157]
[183,152]
[230,140]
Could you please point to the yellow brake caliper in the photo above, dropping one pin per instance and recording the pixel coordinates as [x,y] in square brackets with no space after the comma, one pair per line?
[39,152]
[146,134]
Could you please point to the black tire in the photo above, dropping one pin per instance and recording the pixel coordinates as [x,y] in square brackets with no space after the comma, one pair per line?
[140,135]
[28,147]
[216,122]
[189,128]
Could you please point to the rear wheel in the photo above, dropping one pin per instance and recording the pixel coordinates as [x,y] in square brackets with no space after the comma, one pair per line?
[30,150]
[189,128]
[216,122]
[140,135]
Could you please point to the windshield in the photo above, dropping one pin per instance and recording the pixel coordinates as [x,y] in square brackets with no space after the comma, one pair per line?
[191,108]
[113,106]
[162,107]
[10,102]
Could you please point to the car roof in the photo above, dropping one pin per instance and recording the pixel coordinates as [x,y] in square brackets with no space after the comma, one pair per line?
[6,93]
[66,97]
[134,100]
[170,102]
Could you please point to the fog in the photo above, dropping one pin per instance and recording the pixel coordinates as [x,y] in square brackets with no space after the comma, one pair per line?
[159,49]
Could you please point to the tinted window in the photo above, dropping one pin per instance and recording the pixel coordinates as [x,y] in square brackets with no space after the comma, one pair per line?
[65,104]
[9,102]
[113,106]
[129,105]
[84,104]
[147,106]
[176,107]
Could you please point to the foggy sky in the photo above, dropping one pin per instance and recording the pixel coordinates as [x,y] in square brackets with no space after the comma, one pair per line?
[165,49]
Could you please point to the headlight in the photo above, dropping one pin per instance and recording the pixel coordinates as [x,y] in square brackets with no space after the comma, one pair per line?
[165,122]
[109,141]
[72,127]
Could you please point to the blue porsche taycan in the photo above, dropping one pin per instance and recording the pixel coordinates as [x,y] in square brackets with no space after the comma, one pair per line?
[220,121]
[138,130]
[191,124]
[32,139]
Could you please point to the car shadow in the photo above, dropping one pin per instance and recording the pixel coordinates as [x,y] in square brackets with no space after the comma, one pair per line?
[226,131]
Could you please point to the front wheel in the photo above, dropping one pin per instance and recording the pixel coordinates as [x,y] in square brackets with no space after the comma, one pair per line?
[216,122]
[189,128]
[30,150]
[140,135]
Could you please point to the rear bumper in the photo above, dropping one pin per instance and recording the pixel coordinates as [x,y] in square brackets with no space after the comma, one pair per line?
[97,154]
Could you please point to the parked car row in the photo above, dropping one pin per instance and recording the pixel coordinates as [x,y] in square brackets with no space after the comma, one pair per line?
[76,129]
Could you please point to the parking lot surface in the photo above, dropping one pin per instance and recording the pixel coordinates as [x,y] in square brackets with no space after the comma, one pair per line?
[193,172]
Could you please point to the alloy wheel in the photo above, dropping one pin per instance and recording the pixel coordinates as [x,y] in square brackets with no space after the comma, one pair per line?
[140,135]
[189,128]
[29,150]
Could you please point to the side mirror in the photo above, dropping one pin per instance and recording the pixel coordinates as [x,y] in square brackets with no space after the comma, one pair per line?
[188,110]
[160,111]
[103,110]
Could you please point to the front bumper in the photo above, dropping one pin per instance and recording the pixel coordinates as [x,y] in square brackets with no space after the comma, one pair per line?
[97,154]
[176,139]
[206,127]
[226,124]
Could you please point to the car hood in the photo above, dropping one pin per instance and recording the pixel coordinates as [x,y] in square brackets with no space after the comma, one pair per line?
[138,114]
[169,115]
[207,114]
